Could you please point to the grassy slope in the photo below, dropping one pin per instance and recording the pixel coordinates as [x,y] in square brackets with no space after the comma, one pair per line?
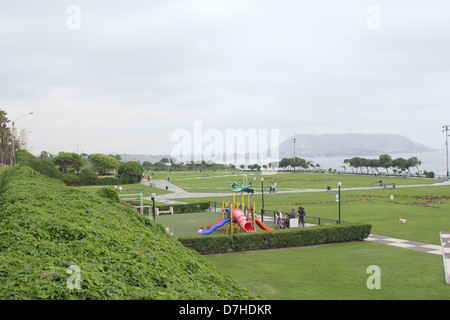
[45,227]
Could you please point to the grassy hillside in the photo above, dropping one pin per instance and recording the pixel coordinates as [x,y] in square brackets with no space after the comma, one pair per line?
[45,227]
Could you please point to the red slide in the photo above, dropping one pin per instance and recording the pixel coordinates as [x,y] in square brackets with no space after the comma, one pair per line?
[240,218]
[261,225]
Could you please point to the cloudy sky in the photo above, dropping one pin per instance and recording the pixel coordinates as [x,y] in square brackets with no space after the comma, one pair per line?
[122,76]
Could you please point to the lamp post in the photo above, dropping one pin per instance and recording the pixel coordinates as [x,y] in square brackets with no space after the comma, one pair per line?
[339,195]
[262,193]
[9,147]
[294,155]
[153,207]
[445,129]
[12,133]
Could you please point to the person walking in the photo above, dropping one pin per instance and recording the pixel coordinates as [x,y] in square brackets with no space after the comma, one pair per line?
[302,214]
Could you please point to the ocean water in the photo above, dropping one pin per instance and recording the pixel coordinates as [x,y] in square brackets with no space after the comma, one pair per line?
[431,161]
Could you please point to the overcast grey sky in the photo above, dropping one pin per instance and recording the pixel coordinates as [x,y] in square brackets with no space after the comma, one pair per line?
[121,76]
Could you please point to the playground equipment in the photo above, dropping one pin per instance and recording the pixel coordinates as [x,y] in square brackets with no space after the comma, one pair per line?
[240,213]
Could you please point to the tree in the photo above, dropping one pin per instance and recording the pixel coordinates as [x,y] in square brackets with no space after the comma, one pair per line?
[413,162]
[399,163]
[23,155]
[130,172]
[5,137]
[356,162]
[374,164]
[87,176]
[102,163]
[68,162]
[385,162]
[45,155]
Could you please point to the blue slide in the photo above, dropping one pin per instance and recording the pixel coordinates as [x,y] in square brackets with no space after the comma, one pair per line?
[217,225]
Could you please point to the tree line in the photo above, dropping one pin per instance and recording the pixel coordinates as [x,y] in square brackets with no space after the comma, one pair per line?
[74,169]
[364,165]
[386,162]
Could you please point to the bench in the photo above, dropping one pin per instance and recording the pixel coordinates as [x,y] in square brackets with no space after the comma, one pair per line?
[380,183]
[157,211]
[387,184]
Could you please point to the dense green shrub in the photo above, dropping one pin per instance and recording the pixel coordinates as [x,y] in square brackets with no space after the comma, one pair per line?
[87,176]
[109,181]
[277,238]
[45,167]
[130,172]
[187,207]
[71,179]
[109,194]
[45,227]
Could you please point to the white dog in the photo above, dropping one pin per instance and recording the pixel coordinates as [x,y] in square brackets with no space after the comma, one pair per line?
[400,220]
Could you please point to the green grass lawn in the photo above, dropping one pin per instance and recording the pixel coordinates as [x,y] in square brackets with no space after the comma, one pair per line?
[218,181]
[337,272]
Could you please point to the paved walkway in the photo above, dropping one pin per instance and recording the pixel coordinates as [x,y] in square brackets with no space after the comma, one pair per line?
[413,245]
[179,193]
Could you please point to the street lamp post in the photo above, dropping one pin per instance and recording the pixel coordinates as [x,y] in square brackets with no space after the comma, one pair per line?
[262,193]
[445,129]
[12,133]
[339,186]
[9,147]
[294,155]
[153,207]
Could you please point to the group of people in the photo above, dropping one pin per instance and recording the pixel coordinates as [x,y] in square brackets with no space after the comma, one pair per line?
[273,187]
[283,222]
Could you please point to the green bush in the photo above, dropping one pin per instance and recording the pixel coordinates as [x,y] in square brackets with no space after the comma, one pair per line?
[71,179]
[87,176]
[130,172]
[187,208]
[276,239]
[109,194]
[109,181]
[45,167]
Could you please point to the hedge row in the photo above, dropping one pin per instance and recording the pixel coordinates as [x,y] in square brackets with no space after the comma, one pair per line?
[209,244]
[187,208]
[177,208]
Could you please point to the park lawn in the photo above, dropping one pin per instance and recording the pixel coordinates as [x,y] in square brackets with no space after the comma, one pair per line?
[219,182]
[426,208]
[337,272]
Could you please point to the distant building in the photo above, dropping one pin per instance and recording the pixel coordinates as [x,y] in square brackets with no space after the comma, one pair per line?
[22,136]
